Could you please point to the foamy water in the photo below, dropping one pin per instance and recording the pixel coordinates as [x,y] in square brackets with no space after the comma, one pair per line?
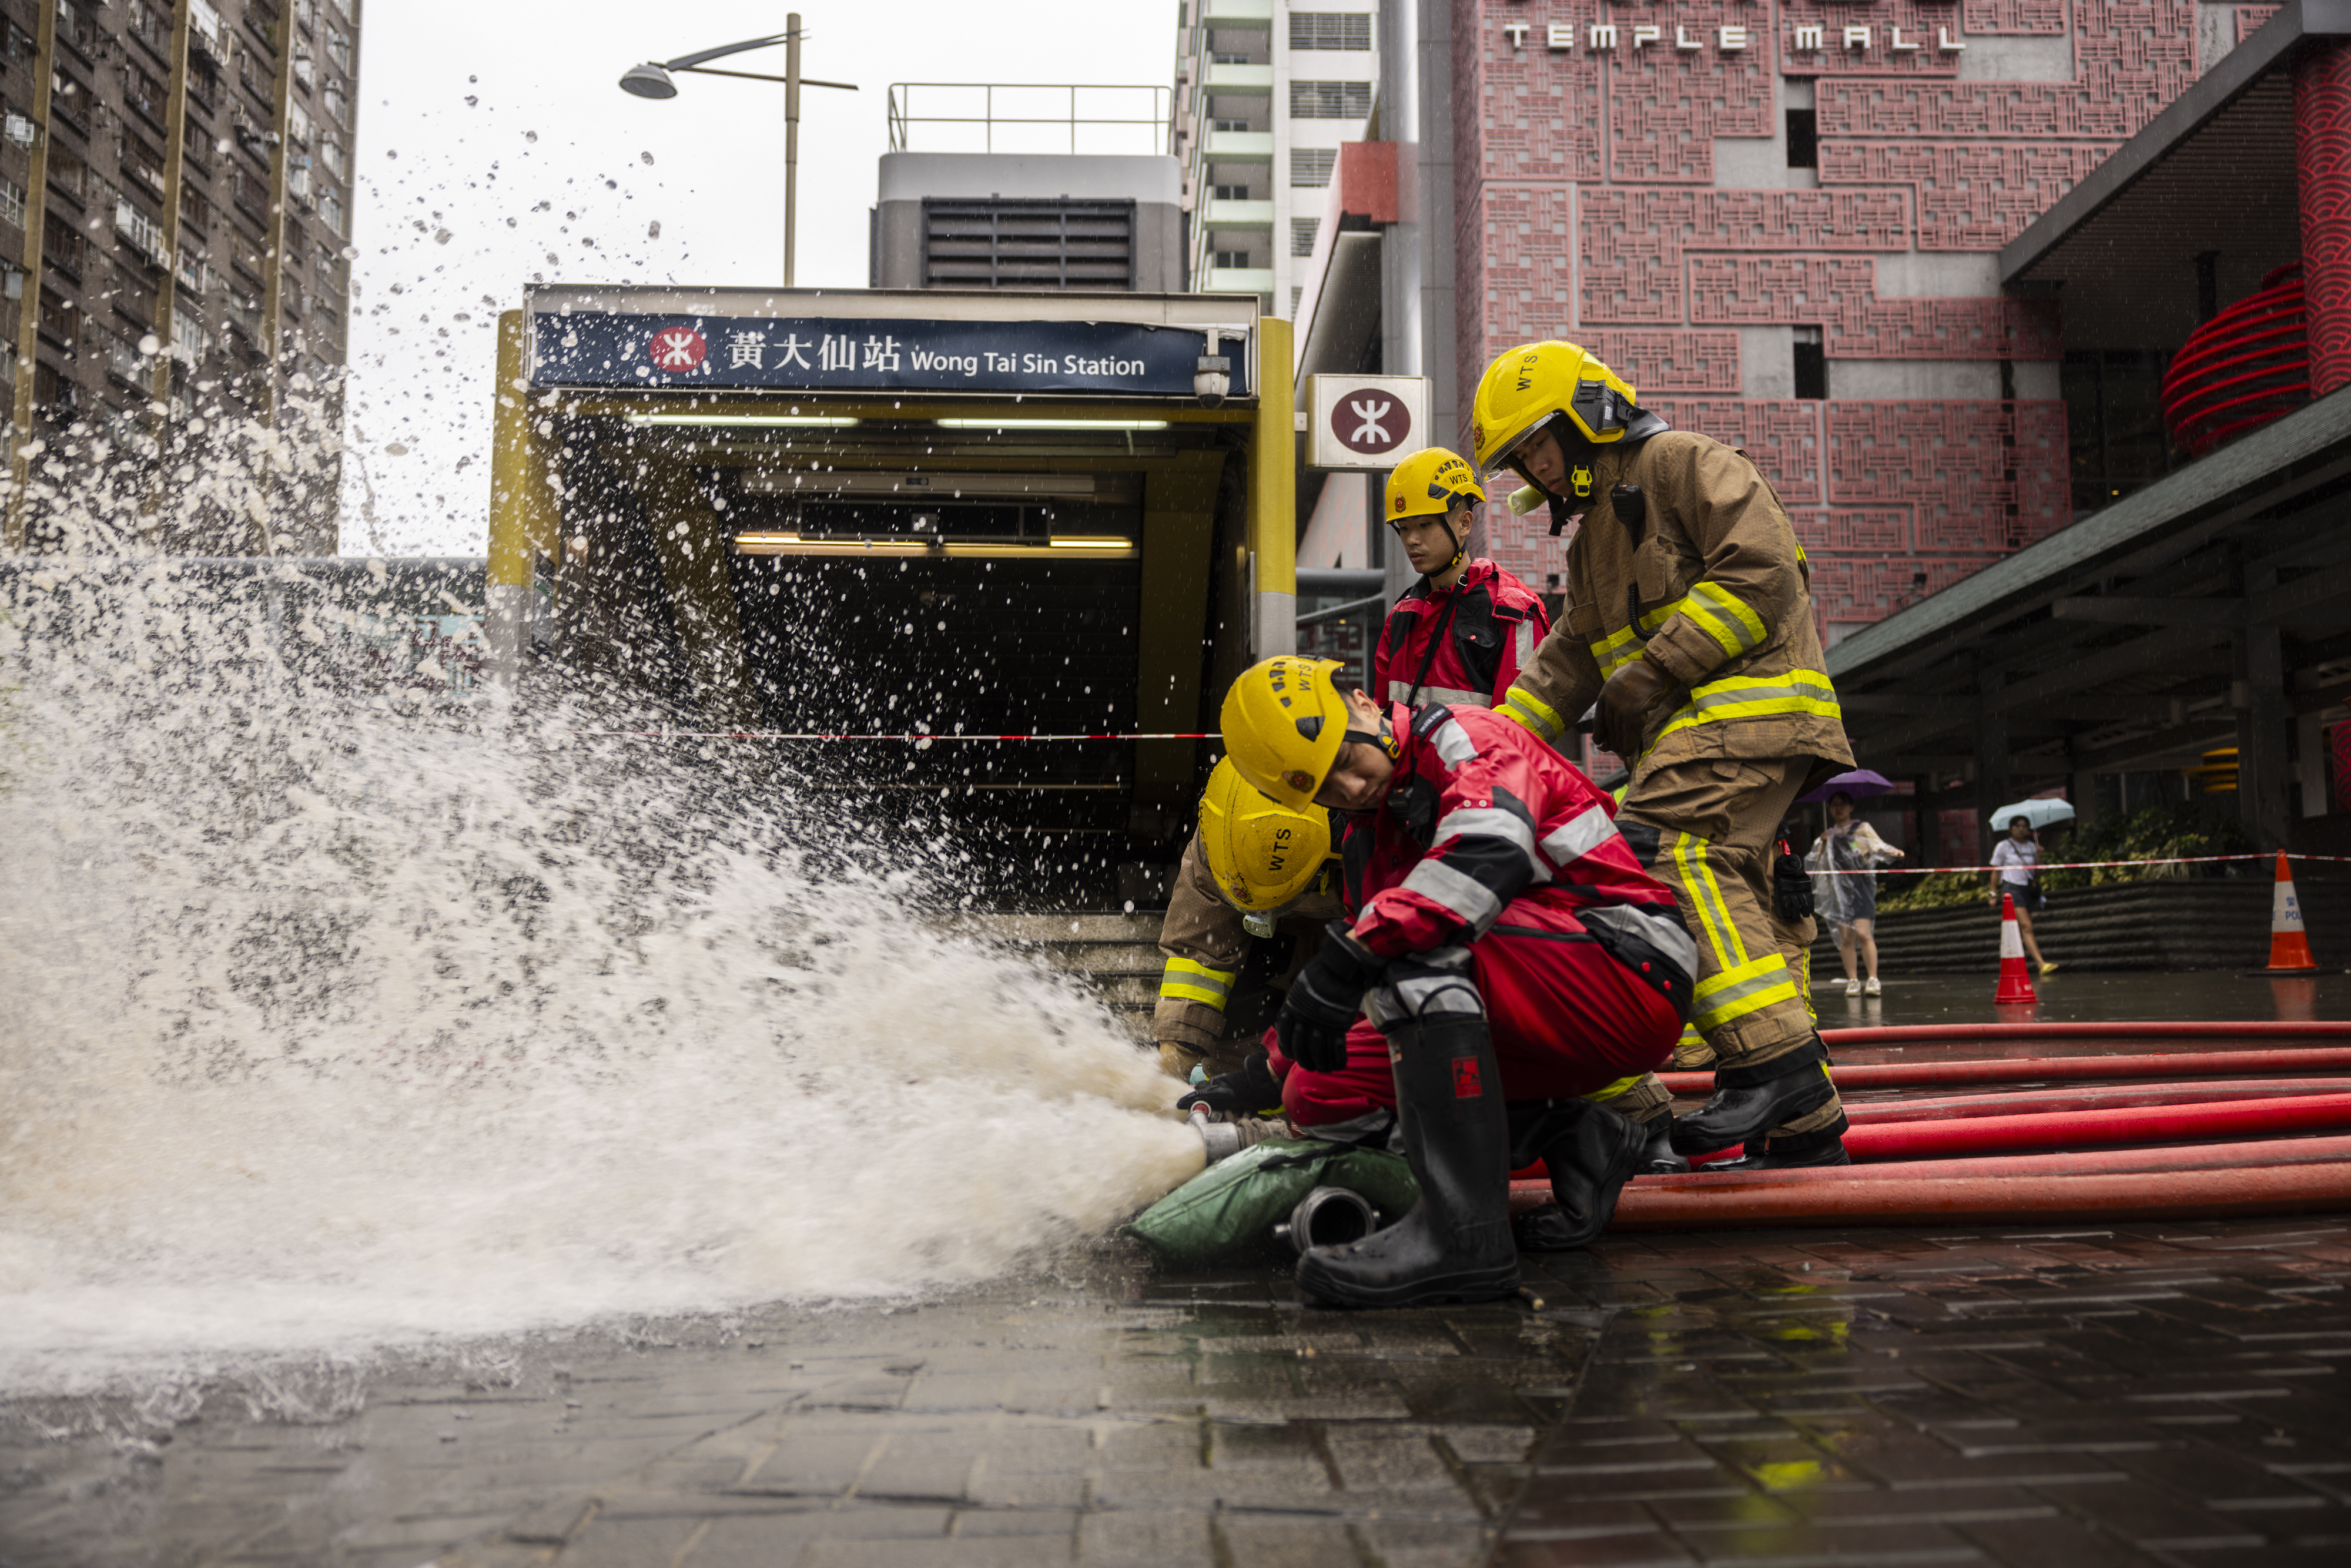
[328,1026]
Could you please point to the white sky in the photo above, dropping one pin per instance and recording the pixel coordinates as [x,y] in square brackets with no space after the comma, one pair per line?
[494,145]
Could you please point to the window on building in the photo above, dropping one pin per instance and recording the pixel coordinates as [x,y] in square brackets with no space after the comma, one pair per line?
[1301,236]
[1310,167]
[2113,422]
[68,172]
[22,46]
[330,212]
[1812,366]
[1229,57]
[142,163]
[205,24]
[1329,99]
[1229,193]
[1229,125]
[151,24]
[336,100]
[1230,258]
[12,203]
[195,208]
[60,322]
[338,50]
[61,243]
[299,124]
[245,254]
[1331,30]
[144,92]
[1803,138]
[1297,291]
[76,25]
[330,153]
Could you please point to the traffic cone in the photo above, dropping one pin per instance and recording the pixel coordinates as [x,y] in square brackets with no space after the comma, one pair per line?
[2015,979]
[2289,942]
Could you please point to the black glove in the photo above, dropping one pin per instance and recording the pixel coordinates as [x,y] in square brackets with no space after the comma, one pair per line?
[1324,999]
[1251,1089]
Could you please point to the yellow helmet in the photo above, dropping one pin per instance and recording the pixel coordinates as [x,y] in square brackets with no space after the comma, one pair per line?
[1534,384]
[1284,721]
[1430,481]
[1262,855]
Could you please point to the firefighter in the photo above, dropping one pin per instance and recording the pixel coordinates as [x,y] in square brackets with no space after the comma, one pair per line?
[1462,633]
[1256,887]
[1689,623]
[1513,951]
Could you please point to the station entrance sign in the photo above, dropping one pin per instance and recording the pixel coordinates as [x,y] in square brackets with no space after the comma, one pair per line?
[688,353]
[1365,422]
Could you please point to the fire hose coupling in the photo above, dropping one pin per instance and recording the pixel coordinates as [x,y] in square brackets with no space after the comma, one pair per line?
[1328,1217]
[1801,1058]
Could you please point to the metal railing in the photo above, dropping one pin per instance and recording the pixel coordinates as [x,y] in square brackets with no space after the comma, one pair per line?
[903,117]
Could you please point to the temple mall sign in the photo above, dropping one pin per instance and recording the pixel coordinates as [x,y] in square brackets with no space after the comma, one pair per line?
[1602,38]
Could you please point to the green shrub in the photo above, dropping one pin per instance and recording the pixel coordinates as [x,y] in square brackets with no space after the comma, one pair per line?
[2157,834]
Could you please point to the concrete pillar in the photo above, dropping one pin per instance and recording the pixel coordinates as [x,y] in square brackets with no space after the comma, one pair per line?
[2322,140]
[2265,775]
[1991,779]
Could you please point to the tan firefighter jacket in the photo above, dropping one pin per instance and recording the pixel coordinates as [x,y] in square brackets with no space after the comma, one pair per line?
[1716,590]
[1206,946]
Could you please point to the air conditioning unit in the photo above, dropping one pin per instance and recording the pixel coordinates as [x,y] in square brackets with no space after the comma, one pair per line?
[22,131]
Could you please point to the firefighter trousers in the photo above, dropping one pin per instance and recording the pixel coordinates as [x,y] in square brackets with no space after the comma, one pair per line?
[1715,821]
[1568,1021]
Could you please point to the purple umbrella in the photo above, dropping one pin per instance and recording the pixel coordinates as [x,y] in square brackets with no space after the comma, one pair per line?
[1859,782]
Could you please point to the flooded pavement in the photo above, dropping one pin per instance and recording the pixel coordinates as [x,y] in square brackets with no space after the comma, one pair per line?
[2165,1393]
[2071,997]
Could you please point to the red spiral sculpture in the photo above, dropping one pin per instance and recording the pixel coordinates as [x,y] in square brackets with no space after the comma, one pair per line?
[2247,366]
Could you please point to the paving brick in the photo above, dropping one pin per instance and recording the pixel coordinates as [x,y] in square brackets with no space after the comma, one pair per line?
[2149,1516]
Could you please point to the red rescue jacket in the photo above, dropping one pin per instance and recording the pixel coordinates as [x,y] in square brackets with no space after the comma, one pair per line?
[1491,623]
[1482,816]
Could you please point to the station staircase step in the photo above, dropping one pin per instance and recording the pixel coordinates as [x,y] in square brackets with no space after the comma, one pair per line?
[1115,953]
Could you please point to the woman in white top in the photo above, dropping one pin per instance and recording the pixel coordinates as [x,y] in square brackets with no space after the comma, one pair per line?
[1849,902]
[2012,862]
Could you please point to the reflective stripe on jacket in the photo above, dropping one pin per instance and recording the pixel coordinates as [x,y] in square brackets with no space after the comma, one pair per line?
[1497,622]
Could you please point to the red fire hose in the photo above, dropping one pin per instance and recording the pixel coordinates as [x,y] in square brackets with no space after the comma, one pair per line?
[2298,1151]
[1880,1113]
[2059,1069]
[2200,1029]
[1732,1203]
[1926,1140]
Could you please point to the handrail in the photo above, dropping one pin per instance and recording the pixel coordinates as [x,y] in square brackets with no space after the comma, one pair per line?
[903,118]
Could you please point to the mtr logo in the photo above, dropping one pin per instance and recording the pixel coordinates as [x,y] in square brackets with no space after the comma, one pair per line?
[677,349]
[1372,421]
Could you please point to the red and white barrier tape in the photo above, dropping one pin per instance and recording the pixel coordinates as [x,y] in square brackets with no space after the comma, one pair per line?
[921,737]
[2072,865]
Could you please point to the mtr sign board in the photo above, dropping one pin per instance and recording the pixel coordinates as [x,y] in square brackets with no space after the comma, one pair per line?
[1365,422]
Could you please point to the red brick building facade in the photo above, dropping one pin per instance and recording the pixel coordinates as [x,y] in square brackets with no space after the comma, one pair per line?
[1779,218]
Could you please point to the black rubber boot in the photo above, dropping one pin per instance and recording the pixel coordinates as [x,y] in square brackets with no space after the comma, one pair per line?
[1820,1146]
[1591,1152]
[1454,1245]
[1659,1158]
[1749,1101]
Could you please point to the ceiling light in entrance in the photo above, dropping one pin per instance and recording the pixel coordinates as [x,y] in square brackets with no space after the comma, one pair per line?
[1052,424]
[747,420]
[1074,547]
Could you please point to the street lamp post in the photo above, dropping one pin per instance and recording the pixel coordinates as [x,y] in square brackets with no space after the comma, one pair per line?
[653,80]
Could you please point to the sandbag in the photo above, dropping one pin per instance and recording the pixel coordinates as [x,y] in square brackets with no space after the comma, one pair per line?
[1229,1210]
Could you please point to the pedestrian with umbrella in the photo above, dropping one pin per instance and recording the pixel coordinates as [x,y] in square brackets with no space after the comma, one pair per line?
[1843,860]
[2015,863]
